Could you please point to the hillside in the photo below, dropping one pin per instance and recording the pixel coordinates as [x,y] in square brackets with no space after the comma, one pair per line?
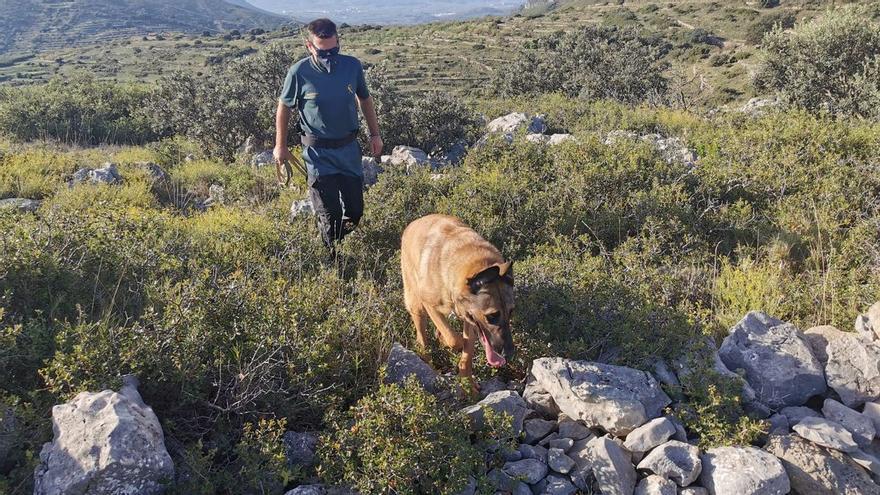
[393,12]
[712,51]
[34,26]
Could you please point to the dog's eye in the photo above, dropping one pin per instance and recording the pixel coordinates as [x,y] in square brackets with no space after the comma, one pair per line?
[493,318]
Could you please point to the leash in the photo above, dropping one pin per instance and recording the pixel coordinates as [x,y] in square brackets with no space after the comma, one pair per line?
[288,169]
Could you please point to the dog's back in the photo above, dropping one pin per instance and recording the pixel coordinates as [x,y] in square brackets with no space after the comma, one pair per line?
[437,253]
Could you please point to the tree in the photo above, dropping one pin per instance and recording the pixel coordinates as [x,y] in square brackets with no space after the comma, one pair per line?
[594,62]
[829,64]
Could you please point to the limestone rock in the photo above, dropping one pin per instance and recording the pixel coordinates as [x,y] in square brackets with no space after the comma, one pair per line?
[104,443]
[649,435]
[554,484]
[675,460]
[611,467]
[872,411]
[742,471]
[537,428]
[796,414]
[826,433]
[403,363]
[656,485]
[853,370]
[873,315]
[21,205]
[262,159]
[559,462]
[555,139]
[860,426]
[107,174]
[778,362]
[818,338]
[409,157]
[539,399]
[529,470]
[813,469]
[569,428]
[302,208]
[503,401]
[615,398]
[518,121]
[371,169]
[779,424]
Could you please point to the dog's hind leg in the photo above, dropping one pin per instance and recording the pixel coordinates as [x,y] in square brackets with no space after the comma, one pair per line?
[450,337]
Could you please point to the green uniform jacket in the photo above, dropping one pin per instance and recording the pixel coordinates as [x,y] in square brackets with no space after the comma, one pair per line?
[327,109]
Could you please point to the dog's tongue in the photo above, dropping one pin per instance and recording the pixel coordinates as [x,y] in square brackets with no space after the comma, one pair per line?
[492,357]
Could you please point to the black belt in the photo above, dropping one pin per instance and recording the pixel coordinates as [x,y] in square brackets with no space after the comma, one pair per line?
[316,142]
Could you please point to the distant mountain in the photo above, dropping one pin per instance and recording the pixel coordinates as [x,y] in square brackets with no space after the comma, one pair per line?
[390,11]
[36,25]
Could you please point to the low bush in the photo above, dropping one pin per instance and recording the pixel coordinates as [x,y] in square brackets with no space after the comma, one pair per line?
[400,440]
[80,110]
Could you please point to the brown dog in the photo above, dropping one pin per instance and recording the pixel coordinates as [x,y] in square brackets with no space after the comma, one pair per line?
[447,267]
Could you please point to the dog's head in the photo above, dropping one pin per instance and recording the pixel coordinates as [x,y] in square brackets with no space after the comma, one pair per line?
[487,303]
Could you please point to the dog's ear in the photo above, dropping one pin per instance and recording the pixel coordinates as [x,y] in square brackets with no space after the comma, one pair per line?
[505,271]
[482,278]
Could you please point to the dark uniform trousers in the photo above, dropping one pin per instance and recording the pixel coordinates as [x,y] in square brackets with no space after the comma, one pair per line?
[338,200]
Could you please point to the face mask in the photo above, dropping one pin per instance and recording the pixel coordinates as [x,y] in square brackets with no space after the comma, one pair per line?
[327,57]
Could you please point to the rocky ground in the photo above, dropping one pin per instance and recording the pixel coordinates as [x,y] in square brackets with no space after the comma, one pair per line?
[581,427]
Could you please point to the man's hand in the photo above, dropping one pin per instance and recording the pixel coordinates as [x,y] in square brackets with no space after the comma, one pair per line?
[376,145]
[281,155]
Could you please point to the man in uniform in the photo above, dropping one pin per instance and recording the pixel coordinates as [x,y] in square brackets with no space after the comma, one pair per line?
[327,88]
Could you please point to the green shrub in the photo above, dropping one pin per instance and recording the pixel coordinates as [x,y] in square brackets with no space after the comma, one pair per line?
[77,110]
[225,107]
[401,440]
[432,121]
[756,30]
[713,410]
[592,63]
[829,64]
[34,173]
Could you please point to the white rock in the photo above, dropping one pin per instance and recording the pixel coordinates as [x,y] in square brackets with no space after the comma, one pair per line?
[301,208]
[611,467]
[559,139]
[503,401]
[826,433]
[655,485]
[675,460]
[107,441]
[615,398]
[853,370]
[517,121]
[860,426]
[649,435]
[742,471]
[409,157]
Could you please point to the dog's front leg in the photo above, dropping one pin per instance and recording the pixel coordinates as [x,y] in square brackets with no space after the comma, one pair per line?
[466,363]
[449,336]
